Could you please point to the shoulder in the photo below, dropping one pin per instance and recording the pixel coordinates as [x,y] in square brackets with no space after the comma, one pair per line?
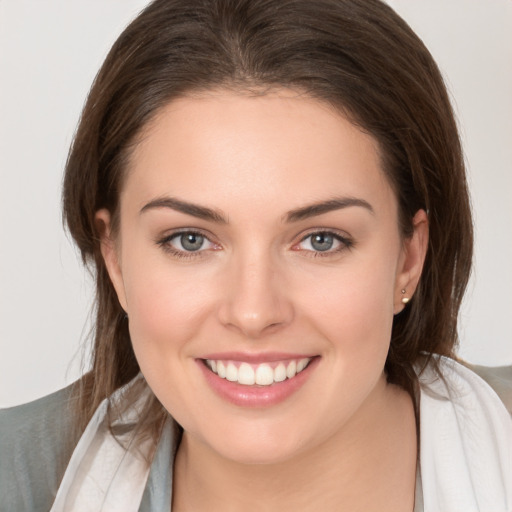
[35,447]
[471,389]
[465,441]
[500,379]
[453,379]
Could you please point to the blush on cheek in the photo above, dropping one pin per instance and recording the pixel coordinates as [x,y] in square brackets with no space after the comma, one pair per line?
[165,314]
[358,314]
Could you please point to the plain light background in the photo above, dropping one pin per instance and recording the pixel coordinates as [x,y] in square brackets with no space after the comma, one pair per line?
[50,51]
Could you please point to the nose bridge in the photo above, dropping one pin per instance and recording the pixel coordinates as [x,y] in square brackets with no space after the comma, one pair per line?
[255,302]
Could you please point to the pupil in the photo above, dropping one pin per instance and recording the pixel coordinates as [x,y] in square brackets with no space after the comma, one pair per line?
[192,242]
[322,242]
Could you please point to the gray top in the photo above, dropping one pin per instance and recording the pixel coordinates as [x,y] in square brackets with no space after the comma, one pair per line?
[34,455]
[33,452]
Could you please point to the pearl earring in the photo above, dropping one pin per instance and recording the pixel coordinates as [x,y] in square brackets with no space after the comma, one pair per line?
[405,300]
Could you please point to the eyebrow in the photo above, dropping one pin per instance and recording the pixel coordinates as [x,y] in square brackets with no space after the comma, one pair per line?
[315,209]
[201,212]
[305,212]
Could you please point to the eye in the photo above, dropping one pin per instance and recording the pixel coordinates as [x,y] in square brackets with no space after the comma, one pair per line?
[186,243]
[189,242]
[324,242]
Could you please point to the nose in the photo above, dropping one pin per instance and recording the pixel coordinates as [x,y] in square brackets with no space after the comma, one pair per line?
[254,301]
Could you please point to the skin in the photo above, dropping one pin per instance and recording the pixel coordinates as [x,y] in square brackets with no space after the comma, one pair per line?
[346,439]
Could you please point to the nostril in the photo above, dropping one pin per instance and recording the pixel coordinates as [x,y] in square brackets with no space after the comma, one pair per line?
[274,326]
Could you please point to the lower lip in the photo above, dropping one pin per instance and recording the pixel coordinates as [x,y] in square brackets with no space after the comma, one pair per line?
[256,396]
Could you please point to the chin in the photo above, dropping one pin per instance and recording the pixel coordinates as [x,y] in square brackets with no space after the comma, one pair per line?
[259,453]
[258,444]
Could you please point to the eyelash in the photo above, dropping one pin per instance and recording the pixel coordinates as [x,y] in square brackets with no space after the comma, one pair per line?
[344,241]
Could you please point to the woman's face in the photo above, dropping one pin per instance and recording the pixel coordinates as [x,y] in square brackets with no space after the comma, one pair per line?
[259,235]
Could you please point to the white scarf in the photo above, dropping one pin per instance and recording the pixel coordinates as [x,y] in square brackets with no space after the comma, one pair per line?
[465,444]
[465,460]
[104,473]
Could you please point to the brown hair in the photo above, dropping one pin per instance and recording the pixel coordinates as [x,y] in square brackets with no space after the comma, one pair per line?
[357,55]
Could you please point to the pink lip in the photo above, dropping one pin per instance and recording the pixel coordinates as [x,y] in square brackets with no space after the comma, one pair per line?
[256,396]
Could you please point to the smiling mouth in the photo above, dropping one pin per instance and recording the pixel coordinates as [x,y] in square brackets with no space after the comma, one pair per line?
[264,374]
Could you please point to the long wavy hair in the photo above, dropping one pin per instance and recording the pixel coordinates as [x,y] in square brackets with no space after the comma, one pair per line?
[356,55]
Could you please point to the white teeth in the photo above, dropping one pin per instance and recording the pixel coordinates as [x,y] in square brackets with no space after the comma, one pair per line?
[246,374]
[262,374]
[291,369]
[280,373]
[231,372]
[302,364]
[221,370]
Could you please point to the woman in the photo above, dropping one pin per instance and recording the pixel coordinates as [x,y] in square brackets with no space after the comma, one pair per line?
[272,194]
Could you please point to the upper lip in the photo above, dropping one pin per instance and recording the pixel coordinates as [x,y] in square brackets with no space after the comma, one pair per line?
[255,358]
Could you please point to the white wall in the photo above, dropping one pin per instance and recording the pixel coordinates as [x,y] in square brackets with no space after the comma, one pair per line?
[49,53]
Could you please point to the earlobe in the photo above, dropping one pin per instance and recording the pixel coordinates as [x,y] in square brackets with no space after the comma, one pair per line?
[411,265]
[110,253]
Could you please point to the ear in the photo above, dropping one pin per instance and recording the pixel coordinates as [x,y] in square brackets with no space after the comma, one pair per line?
[110,253]
[411,262]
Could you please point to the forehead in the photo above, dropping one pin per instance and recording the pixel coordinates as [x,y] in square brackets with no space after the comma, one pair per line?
[278,148]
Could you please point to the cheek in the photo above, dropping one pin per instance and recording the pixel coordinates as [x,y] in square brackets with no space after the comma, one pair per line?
[164,307]
[166,314]
[167,303]
[353,313]
[353,306]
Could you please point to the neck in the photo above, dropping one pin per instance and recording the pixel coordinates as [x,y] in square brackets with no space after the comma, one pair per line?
[370,465]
